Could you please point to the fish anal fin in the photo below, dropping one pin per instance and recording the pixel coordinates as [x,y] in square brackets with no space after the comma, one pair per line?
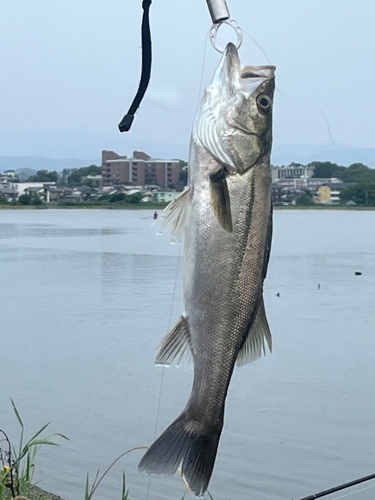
[175,215]
[258,335]
[176,345]
[220,200]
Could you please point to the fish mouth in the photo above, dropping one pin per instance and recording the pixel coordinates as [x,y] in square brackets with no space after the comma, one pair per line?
[233,76]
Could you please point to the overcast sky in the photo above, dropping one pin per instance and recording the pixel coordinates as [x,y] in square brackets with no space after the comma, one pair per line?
[70,69]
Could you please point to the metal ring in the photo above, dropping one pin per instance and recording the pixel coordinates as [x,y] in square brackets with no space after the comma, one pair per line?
[214,29]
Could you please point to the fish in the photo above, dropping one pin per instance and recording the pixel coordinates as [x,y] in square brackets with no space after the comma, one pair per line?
[224,217]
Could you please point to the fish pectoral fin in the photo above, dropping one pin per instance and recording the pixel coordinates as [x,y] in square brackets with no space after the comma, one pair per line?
[220,200]
[176,345]
[254,345]
[175,215]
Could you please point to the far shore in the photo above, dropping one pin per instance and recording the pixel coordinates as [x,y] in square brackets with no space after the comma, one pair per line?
[161,206]
[114,206]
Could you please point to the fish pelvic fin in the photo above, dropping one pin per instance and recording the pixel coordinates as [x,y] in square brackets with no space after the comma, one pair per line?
[176,345]
[175,216]
[220,200]
[182,444]
[258,335]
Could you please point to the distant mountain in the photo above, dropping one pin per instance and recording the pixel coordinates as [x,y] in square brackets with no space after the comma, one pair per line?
[299,153]
[281,155]
[23,163]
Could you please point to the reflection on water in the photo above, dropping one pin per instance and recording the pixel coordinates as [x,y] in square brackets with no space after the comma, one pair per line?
[85,298]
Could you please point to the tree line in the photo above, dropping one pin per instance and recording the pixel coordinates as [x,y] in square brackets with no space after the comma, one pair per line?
[68,177]
[359,177]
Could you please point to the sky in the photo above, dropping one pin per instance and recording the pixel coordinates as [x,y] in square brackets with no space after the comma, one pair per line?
[70,70]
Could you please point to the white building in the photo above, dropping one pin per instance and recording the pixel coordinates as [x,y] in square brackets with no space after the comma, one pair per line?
[291,172]
[22,187]
[165,196]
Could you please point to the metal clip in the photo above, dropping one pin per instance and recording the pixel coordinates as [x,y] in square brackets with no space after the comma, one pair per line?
[214,29]
[218,10]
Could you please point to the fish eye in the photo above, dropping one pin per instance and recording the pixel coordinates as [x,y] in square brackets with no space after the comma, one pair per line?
[264,103]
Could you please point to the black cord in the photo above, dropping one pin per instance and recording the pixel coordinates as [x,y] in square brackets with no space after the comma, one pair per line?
[126,122]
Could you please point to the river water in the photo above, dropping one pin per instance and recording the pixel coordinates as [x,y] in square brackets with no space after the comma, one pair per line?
[85,297]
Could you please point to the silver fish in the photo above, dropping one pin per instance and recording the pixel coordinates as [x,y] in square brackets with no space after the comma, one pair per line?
[225,216]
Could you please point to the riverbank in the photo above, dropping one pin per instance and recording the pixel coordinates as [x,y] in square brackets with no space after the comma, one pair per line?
[321,207]
[111,206]
[37,493]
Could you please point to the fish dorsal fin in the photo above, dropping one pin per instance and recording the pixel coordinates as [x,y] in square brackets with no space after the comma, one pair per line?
[254,345]
[176,345]
[175,215]
[220,201]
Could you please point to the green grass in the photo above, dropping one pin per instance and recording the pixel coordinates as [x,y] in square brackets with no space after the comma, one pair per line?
[89,491]
[17,463]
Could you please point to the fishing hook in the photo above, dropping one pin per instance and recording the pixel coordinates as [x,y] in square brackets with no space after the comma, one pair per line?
[214,29]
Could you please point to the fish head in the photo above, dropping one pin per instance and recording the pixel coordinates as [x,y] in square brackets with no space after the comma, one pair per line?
[234,122]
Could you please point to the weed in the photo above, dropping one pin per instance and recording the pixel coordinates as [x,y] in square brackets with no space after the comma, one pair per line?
[89,492]
[17,464]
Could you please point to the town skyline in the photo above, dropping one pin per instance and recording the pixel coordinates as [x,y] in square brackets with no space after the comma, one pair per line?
[141,178]
[281,155]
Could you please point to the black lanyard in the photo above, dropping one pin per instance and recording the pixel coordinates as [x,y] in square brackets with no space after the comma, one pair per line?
[127,121]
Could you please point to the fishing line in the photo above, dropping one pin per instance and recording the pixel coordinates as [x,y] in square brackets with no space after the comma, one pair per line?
[311,101]
[202,70]
[176,274]
[163,368]
[169,326]
[259,46]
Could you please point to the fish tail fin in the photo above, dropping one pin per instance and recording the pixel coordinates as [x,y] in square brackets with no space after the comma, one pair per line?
[181,444]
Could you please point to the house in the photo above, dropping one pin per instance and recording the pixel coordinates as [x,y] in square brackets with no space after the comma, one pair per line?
[129,190]
[148,196]
[329,193]
[96,181]
[276,190]
[15,189]
[73,195]
[56,193]
[35,191]
[11,174]
[23,187]
[85,191]
[8,193]
[165,196]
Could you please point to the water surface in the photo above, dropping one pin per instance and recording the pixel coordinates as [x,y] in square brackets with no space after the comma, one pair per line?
[85,298]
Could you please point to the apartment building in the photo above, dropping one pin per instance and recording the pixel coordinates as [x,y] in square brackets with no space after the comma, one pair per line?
[291,172]
[303,183]
[141,169]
